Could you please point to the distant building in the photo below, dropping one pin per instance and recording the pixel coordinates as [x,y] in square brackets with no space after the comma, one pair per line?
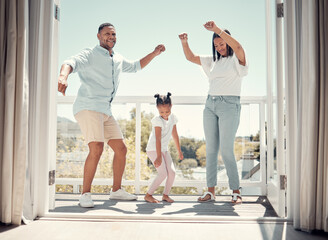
[67,128]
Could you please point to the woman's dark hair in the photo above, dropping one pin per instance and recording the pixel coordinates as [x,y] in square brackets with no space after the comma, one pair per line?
[216,54]
[105,25]
[163,99]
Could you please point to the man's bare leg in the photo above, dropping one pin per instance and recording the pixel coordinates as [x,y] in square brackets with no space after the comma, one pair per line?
[90,165]
[119,160]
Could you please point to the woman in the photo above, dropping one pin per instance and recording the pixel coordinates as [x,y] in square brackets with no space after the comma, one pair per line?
[225,70]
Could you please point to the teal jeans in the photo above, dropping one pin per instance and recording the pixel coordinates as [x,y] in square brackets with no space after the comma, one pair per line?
[221,120]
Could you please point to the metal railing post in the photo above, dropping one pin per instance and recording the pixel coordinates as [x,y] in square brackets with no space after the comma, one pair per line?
[138,148]
[263,148]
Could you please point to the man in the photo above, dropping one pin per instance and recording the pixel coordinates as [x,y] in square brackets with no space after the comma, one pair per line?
[99,71]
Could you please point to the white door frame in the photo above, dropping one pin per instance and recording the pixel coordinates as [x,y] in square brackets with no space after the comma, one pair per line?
[276,195]
[53,117]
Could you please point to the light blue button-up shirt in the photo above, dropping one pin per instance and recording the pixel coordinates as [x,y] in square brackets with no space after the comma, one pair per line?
[99,75]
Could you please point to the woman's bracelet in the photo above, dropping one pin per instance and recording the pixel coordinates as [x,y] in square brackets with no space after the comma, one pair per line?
[221,33]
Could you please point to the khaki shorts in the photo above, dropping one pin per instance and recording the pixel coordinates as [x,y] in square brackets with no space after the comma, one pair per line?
[98,127]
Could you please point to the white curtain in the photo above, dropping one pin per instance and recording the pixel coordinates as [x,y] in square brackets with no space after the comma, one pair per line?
[307,118]
[13,109]
[27,108]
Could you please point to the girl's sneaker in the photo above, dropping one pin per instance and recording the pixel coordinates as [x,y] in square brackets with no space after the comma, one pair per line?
[86,201]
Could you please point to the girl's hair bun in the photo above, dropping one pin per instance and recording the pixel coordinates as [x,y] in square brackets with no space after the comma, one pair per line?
[163,99]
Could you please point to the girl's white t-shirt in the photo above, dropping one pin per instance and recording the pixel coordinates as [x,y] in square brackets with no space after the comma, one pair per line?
[224,75]
[167,127]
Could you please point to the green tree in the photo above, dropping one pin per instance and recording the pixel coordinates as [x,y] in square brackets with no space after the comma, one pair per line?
[188,163]
[72,151]
[129,127]
[201,155]
[189,146]
[174,153]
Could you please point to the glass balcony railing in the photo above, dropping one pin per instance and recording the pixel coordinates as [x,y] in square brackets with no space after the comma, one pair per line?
[134,114]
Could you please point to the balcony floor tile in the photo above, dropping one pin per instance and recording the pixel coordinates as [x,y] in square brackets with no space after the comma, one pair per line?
[184,206]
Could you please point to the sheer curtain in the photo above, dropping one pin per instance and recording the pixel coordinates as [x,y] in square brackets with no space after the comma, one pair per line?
[307,118]
[27,107]
[13,109]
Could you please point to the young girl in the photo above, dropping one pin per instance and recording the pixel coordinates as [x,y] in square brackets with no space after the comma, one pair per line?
[163,126]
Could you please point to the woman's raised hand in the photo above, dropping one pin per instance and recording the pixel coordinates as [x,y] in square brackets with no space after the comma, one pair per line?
[210,26]
[183,37]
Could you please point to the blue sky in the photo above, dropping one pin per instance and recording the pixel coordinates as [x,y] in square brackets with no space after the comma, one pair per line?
[142,25]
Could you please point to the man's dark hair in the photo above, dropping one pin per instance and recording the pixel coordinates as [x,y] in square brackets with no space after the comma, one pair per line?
[163,99]
[105,25]
[216,54]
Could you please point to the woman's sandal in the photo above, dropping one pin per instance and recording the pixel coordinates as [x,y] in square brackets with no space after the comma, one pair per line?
[236,198]
[211,199]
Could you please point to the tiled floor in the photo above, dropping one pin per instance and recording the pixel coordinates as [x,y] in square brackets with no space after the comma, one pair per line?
[184,206]
[90,229]
[185,219]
